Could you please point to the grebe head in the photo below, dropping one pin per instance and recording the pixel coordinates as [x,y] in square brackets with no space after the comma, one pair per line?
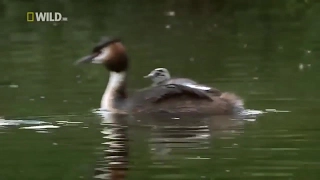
[110,52]
[158,75]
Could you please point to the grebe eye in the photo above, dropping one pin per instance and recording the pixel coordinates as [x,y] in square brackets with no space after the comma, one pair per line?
[96,50]
[157,74]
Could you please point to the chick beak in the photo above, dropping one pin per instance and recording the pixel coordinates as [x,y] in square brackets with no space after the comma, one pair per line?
[148,76]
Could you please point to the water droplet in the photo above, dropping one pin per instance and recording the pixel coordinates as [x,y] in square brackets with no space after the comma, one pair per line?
[13,86]
[301,66]
[170,13]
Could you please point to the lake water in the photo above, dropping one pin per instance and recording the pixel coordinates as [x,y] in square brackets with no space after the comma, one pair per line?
[265,51]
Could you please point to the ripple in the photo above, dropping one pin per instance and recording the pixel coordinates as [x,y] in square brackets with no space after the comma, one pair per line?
[5,122]
[68,122]
[41,127]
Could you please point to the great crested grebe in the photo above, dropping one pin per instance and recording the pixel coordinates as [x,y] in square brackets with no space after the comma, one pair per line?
[168,98]
[161,76]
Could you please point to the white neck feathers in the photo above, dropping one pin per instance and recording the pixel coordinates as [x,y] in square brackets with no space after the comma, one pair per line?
[116,80]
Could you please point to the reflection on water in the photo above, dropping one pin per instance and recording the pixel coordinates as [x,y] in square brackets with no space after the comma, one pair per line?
[114,160]
[169,140]
[166,148]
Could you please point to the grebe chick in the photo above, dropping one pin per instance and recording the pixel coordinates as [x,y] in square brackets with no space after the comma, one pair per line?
[161,76]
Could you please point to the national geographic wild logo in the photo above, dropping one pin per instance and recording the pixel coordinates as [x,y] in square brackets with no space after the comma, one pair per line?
[45,17]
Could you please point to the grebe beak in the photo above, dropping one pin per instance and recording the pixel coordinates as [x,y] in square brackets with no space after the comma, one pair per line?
[86,59]
[149,75]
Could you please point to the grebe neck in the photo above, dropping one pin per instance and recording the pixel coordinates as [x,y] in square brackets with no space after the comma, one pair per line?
[115,92]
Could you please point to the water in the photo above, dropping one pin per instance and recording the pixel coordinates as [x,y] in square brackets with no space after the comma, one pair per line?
[265,51]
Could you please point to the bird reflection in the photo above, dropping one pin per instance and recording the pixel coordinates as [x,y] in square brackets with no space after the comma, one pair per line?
[188,133]
[169,138]
[114,163]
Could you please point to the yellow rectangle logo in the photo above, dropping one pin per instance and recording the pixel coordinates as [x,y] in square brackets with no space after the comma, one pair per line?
[30,16]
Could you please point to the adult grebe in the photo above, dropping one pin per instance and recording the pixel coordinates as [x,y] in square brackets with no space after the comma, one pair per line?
[169,98]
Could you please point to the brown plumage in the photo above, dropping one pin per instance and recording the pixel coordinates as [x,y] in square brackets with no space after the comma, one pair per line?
[168,98]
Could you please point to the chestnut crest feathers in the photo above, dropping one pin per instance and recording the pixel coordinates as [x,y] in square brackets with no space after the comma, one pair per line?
[104,42]
[110,52]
